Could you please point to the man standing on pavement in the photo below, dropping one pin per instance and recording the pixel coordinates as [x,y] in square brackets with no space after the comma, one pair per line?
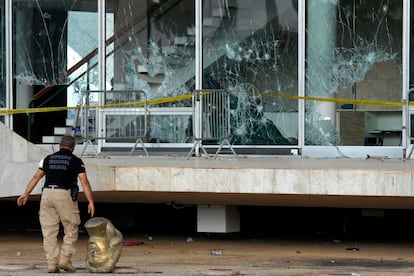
[59,203]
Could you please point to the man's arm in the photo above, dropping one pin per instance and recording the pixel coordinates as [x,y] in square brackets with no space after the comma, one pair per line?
[32,183]
[87,190]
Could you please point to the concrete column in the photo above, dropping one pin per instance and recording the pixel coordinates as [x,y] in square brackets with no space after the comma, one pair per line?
[321,42]
[218,219]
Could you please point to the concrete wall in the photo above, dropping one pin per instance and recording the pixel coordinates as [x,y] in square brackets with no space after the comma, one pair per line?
[20,159]
[248,180]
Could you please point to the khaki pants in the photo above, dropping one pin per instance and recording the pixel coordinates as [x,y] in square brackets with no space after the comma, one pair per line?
[56,206]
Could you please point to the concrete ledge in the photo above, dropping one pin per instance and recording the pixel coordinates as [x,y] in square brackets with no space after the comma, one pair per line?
[249,180]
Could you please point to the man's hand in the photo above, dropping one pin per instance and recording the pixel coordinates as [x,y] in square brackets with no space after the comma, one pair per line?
[87,191]
[91,209]
[32,183]
[22,199]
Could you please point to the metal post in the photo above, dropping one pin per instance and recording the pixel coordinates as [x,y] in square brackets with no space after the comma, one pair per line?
[301,73]
[9,60]
[405,132]
[198,71]
[101,65]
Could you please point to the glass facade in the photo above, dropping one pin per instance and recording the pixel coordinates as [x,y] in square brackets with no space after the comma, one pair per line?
[54,59]
[358,56]
[149,50]
[249,49]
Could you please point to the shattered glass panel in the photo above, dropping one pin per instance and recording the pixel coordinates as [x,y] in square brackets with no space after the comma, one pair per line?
[151,48]
[54,58]
[170,129]
[45,40]
[82,55]
[357,56]
[250,50]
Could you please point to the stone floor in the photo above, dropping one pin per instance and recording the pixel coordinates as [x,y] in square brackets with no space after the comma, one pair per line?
[22,254]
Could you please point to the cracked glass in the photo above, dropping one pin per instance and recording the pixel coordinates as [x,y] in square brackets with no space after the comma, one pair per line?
[54,58]
[357,56]
[151,48]
[250,50]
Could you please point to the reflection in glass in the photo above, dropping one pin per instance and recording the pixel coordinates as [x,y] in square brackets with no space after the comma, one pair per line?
[152,47]
[250,49]
[170,129]
[54,58]
[358,57]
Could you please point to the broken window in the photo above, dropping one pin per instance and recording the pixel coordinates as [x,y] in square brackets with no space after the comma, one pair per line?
[54,58]
[151,49]
[250,50]
[353,52]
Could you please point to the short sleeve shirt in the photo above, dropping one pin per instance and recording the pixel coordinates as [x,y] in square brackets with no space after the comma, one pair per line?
[62,168]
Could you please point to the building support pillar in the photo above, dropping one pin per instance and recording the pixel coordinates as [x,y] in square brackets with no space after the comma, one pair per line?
[218,219]
[321,42]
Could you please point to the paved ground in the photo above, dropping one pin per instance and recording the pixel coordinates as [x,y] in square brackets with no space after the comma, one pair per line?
[22,254]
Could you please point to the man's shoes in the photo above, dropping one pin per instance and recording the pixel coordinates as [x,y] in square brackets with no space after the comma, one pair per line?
[66,265]
[52,269]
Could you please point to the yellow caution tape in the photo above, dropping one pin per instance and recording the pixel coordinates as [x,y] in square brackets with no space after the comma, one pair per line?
[341,100]
[64,108]
[35,110]
[188,96]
